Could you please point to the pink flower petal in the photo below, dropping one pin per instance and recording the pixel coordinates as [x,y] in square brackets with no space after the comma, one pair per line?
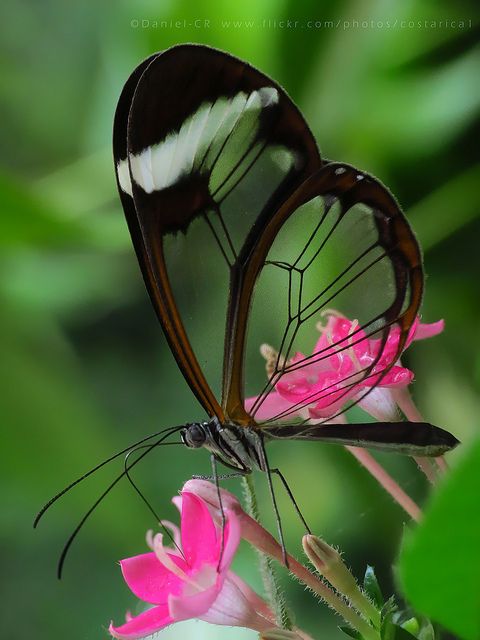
[411,333]
[144,624]
[322,388]
[299,376]
[396,377]
[341,330]
[199,534]
[324,410]
[309,366]
[232,608]
[207,491]
[194,606]
[380,404]
[429,330]
[270,407]
[181,588]
[298,392]
[232,537]
[390,349]
[418,331]
[149,580]
[177,501]
[324,394]
[301,391]
[256,601]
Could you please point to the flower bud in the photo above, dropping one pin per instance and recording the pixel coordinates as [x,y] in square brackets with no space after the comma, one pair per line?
[330,564]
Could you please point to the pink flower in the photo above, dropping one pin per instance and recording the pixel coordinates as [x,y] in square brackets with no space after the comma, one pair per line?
[193,581]
[322,386]
[263,541]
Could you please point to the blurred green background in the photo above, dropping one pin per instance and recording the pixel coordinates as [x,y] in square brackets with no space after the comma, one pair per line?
[85,369]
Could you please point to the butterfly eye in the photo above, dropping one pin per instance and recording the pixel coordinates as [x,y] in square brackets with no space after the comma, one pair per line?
[194,436]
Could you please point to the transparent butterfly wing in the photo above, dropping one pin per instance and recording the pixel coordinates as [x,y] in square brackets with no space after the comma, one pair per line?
[213,149]
[339,247]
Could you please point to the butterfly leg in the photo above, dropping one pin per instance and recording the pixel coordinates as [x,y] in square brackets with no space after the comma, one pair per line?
[221,476]
[220,504]
[290,495]
[269,472]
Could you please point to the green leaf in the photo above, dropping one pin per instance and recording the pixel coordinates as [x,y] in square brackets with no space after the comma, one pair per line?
[372,588]
[411,625]
[387,614]
[439,566]
[389,608]
[351,633]
[399,633]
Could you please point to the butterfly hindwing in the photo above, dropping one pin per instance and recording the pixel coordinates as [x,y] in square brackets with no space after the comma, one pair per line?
[339,246]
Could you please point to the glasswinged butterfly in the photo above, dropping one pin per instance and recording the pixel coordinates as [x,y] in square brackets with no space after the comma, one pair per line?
[207,146]
[224,191]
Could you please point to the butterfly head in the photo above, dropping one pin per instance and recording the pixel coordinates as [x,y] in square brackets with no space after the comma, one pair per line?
[195,435]
[231,445]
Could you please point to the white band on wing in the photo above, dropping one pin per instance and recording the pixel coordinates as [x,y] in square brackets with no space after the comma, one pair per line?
[226,126]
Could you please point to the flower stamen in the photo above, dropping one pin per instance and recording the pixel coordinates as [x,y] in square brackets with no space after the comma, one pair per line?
[163,557]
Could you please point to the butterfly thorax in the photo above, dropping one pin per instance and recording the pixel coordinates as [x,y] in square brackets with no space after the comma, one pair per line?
[236,447]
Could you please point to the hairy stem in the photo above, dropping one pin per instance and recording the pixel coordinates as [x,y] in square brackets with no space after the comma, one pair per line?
[261,539]
[271,584]
[385,479]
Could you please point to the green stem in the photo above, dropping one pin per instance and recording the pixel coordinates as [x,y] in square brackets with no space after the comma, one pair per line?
[271,584]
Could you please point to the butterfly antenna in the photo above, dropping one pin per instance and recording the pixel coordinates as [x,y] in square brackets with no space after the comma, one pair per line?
[145,500]
[47,506]
[103,495]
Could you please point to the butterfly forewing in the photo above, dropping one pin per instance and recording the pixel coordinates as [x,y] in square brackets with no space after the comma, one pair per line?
[214,148]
